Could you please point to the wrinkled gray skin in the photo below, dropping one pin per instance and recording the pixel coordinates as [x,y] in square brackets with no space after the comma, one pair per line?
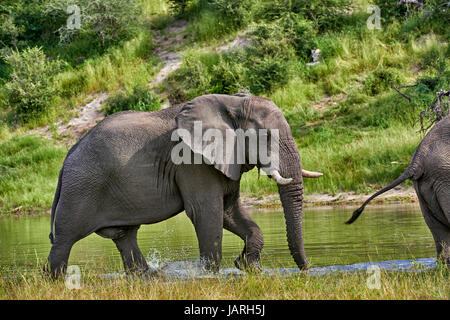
[120,175]
[429,169]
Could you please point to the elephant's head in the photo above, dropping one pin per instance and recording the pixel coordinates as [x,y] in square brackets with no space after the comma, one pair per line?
[219,116]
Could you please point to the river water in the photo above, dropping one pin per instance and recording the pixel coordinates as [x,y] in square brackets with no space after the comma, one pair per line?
[391,232]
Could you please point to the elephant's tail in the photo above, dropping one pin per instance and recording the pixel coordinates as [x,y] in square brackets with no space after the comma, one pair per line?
[55,204]
[409,173]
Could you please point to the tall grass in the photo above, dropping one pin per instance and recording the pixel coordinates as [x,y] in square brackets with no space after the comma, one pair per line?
[29,169]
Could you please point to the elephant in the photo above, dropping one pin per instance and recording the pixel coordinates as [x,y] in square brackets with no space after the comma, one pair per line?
[429,169]
[121,175]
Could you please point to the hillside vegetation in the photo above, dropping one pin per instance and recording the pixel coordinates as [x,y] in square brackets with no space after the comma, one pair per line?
[349,123]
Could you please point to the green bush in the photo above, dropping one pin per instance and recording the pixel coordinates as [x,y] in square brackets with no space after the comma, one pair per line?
[299,33]
[194,75]
[31,89]
[325,14]
[436,57]
[139,100]
[227,75]
[238,12]
[268,59]
[109,20]
[381,79]
[178,6]
[389,10]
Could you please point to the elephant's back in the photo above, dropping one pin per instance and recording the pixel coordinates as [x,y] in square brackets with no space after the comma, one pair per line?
[119,164]
[124,137]
[435,149]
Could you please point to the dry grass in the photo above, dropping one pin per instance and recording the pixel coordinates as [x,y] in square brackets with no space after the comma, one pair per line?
[432,284]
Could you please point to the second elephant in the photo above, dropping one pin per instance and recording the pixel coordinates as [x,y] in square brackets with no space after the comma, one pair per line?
[429,169]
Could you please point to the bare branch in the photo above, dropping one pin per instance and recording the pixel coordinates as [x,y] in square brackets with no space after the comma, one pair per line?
[404,95]
[438,109]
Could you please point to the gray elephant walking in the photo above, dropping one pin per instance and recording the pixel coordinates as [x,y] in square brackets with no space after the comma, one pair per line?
[429,169]
[121,175]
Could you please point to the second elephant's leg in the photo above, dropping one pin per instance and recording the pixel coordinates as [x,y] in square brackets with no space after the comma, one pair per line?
[239,222]
[133,260]
[435,210]
[443,231]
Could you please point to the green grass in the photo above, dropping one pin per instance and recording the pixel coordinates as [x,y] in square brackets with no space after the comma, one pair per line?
[424,285]
[29,167]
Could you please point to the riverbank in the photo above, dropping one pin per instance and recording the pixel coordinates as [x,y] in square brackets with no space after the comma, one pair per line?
[398,195]
[395,196]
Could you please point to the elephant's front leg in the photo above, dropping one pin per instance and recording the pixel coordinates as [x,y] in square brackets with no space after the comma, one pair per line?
[202,194]
[238,221]
[207,218]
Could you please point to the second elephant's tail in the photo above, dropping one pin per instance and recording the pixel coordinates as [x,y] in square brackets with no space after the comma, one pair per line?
[55,204]
[405,176]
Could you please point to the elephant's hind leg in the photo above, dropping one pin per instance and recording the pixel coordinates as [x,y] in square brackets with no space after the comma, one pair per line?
[239,222]
[443,230]
[59,255]
[435,209]
[125,239]
[68,230]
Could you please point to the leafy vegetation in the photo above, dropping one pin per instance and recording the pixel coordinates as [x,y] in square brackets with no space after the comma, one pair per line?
[139,100]
[31,89]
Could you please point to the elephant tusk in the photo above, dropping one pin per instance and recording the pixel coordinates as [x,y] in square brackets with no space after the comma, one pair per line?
[279,179]
[311,174]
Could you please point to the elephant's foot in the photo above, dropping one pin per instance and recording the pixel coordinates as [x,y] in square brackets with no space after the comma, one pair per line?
[144,274]
[209,265]
[248,264]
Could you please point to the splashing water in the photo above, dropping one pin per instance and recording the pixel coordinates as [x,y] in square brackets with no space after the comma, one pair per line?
[184,270]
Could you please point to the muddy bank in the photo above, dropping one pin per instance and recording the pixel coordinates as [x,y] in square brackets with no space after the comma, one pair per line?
[394,196]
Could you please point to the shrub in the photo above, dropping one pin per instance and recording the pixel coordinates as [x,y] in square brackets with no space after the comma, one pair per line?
[9,31]
[381,79]
[238,12]
[261,67]
[325,14]
[299,32]
[178,6]
[31,88]
[194,75]
[435,57]
[227,75]
[109,20]
[390,11]
[139,100]
[267,59]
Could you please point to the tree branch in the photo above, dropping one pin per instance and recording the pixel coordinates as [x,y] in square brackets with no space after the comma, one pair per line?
[404,95]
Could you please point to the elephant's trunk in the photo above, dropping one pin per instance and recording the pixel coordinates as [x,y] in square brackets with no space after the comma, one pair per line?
[291,196]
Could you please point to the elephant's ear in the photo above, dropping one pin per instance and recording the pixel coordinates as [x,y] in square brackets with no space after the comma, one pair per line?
[208,124]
